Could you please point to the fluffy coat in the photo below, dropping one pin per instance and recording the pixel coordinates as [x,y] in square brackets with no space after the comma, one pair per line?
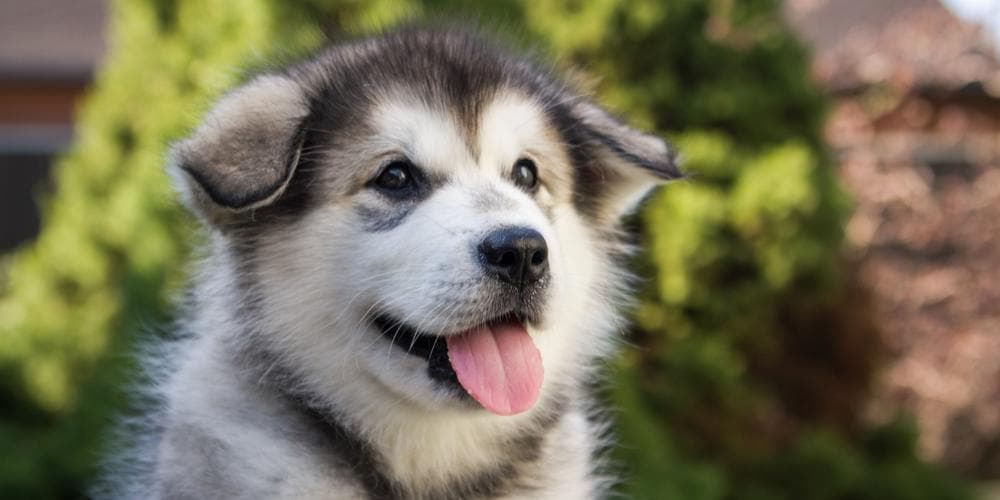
[284,383]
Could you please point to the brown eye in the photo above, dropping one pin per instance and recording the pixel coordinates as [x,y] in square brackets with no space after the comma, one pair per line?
[396,176]
[525,174]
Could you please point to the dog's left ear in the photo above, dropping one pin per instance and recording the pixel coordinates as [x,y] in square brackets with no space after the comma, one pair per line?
[623,165]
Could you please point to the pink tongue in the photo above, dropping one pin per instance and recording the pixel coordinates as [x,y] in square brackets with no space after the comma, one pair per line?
[499,366]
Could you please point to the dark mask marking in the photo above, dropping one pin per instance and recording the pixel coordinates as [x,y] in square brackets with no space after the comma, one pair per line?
[377,221]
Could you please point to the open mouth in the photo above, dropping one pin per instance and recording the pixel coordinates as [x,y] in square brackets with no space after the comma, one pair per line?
[433,348]
[496,363]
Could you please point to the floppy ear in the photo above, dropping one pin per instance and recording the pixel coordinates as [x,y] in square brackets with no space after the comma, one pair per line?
[245,151]
[624,164]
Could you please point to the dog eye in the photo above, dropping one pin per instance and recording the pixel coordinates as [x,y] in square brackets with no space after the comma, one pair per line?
[396,176]
[525,174]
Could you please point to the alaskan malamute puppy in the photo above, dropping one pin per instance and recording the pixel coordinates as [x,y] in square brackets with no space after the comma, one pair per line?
[413,271]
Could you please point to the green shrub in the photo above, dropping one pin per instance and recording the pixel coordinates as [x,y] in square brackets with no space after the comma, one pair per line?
[753,352]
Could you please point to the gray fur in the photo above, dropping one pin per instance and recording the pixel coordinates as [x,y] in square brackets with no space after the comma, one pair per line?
[285,386]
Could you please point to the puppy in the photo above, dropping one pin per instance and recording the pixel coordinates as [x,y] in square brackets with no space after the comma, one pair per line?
[412,270]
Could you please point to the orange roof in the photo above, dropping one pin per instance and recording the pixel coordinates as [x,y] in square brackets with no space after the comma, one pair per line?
[903,43]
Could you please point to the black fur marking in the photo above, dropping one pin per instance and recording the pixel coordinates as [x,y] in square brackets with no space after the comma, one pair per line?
[377,221]
[665,169]
[368,467]
[356,454]
[588,178]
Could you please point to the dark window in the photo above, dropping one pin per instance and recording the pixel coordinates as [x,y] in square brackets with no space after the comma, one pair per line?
[21,176]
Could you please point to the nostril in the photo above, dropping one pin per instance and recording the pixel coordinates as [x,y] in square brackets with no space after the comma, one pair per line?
[538,258]
[507,259]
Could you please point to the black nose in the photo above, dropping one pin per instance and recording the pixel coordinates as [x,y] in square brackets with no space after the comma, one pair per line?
[517,255]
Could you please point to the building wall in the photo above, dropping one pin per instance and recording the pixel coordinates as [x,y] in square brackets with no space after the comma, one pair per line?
[924,170]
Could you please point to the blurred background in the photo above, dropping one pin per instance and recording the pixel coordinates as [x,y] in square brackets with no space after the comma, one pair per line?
[820,315]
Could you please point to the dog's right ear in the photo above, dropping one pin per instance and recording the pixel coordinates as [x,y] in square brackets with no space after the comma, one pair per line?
[245,151]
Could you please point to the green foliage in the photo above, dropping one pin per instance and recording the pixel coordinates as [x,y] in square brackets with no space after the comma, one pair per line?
[749,369]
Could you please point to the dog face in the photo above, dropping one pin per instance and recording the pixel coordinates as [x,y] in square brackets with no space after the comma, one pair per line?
[420,216]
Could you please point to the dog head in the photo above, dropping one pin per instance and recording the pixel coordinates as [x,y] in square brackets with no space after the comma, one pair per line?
[421,215]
